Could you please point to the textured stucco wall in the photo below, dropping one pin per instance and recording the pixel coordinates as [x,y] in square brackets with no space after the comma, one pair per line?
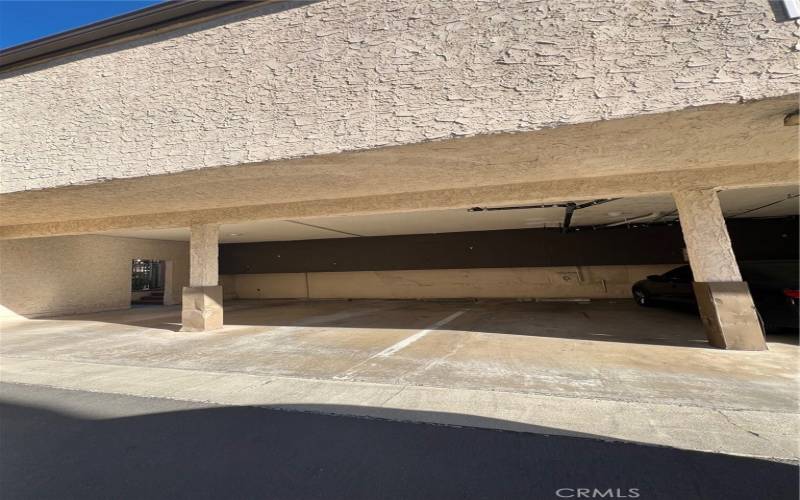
[531,282]
[74,274]
[294,79]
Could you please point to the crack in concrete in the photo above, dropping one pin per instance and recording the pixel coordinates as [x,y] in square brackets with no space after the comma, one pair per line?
[386,401]
[740,427]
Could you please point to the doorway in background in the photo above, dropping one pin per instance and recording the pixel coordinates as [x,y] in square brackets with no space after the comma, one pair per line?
[147,282]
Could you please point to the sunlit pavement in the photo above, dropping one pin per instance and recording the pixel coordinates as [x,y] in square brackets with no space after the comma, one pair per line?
[603,369]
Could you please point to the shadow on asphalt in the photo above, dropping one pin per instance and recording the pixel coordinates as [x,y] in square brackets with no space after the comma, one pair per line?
[248,452]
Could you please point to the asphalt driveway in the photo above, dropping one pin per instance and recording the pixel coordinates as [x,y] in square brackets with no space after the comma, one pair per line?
[72,444]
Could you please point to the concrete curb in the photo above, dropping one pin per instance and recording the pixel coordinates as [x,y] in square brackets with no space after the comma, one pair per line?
[769,435]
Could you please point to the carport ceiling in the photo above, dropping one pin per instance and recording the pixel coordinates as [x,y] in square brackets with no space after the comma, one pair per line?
[740,203]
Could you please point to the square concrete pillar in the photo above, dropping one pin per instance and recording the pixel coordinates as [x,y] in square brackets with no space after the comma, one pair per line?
[726,307]
[202,308]
[729,316]
[204,255]
[202,299]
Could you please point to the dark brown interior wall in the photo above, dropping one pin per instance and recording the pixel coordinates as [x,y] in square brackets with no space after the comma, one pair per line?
[658,244]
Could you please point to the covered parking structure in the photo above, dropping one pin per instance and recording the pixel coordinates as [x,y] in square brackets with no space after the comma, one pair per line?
[572,249]
[472,189]
[583,237]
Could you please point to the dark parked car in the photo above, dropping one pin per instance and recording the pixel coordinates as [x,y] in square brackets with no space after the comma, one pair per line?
[773,285]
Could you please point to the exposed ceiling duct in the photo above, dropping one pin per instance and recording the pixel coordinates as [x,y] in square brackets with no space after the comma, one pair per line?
[569,209]
[642,218]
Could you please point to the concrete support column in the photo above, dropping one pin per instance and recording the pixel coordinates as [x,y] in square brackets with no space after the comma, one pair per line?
[202,299]
[726,307]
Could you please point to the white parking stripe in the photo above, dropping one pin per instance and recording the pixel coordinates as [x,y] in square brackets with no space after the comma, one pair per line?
[400,345]
[410,340]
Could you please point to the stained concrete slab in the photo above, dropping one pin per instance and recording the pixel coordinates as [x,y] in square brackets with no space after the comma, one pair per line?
[602,349]
[605,367]
[765,434]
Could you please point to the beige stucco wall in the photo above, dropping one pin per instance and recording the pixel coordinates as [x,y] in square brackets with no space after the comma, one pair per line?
[296,79]
[538,282]
[270,286]
[74,274]
[228,282]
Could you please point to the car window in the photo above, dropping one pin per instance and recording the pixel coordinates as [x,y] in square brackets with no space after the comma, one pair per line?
[682,274]
[779,273]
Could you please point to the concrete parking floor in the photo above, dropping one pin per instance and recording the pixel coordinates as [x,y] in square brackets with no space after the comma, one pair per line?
[602,369]
[601,349]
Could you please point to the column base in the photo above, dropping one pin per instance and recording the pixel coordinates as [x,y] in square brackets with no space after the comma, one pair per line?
[729,315]
[202,308]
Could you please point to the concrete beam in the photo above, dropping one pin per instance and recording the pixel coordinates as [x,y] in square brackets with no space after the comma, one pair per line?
[773,174]
[724,300]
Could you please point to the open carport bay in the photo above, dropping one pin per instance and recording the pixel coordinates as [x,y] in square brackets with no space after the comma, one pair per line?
[607,349]
[522,325]
[604,369]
